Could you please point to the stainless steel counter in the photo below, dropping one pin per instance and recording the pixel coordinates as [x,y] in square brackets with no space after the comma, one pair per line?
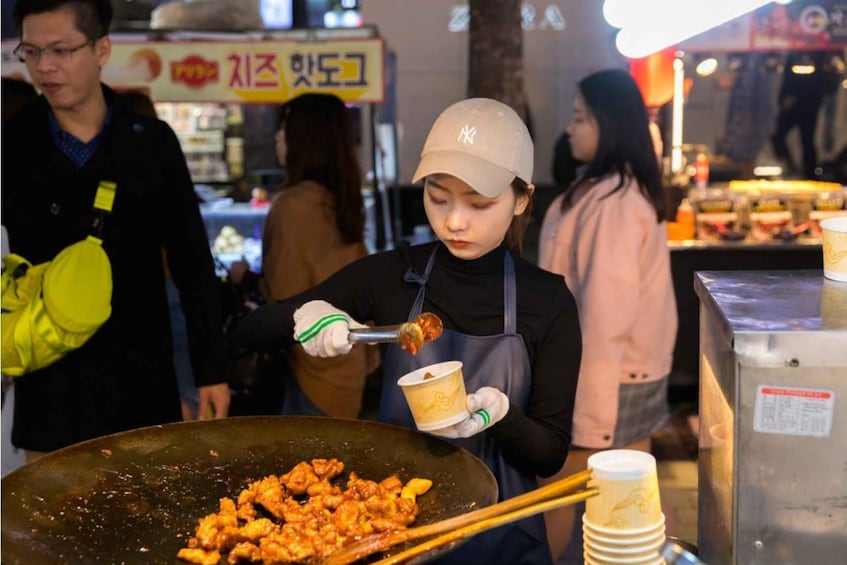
[777,301]
[773,417]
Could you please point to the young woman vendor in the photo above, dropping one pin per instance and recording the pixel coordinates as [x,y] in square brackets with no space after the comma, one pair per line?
[514,326]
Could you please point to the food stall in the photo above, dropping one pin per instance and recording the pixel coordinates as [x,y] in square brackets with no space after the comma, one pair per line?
[202,83]
[754,225]
[726,221]
[773,437]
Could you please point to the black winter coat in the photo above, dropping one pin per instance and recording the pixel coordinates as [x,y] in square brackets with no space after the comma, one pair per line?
[123,377]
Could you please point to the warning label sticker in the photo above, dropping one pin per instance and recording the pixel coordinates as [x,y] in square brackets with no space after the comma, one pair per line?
[794,411]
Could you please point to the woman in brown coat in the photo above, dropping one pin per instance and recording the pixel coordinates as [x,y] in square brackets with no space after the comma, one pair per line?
[314,227]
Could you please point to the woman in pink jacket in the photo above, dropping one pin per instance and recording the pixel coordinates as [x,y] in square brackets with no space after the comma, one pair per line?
[606,235]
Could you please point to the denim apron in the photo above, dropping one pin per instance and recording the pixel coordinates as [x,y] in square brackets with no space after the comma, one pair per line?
[499,361]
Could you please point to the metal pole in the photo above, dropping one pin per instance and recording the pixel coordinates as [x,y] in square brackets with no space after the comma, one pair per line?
[379,184]
[676,127]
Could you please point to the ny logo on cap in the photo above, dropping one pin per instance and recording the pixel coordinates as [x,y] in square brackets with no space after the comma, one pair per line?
[466,135]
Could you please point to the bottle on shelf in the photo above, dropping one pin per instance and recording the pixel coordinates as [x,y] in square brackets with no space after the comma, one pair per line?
[701,174]
[686,220]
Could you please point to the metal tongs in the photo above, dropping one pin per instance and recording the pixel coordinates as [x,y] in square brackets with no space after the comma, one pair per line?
[411,335]
[376,334]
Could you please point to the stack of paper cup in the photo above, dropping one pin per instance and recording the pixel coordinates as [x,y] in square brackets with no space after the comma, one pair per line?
[624,523]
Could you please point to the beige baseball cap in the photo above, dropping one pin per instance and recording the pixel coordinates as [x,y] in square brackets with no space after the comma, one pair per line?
[480,141]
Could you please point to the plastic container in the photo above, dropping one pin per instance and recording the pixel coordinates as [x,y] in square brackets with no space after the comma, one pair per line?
[826,205]
[770,218]
[716,215]
[786,209]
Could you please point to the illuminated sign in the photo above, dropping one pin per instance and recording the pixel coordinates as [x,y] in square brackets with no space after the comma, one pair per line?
[271,71]
[648,26]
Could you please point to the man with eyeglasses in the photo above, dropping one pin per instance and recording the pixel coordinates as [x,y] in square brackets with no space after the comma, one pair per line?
[57,151]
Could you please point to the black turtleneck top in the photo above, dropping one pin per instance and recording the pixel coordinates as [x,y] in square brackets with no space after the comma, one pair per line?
[468,297]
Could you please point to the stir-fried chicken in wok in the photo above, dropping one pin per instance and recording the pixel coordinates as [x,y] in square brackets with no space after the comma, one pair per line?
[301,517]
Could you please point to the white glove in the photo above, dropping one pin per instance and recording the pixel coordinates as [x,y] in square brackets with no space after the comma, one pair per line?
[322,329]
[487,407]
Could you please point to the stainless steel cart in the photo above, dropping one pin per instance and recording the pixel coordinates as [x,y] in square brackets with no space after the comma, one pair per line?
[773,417]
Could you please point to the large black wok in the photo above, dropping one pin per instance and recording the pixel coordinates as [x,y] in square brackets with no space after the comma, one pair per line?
[135,497]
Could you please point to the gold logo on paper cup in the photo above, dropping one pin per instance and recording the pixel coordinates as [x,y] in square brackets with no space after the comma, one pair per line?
[639,498]
[831,254]
[441,402]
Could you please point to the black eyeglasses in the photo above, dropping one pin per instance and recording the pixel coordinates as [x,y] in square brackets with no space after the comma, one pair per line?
[59,55]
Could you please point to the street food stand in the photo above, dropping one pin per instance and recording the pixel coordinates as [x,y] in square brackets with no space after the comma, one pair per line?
[200,81]
[773,433]
[740,224]
[746,226]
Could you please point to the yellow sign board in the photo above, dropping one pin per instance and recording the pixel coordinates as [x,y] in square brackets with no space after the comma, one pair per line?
[270,71]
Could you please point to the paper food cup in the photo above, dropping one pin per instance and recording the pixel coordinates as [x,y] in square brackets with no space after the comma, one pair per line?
[628,497]
[834,245]
[623,543]
[609,535]
[590,560]
[642,550]
[600,557]
[438,401]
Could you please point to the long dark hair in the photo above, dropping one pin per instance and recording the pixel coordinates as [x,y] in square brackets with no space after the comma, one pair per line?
[625,146]
[514,235]
[321,148]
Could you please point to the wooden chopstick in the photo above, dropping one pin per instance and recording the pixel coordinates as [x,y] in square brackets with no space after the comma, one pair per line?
[477,527]
[381,542]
